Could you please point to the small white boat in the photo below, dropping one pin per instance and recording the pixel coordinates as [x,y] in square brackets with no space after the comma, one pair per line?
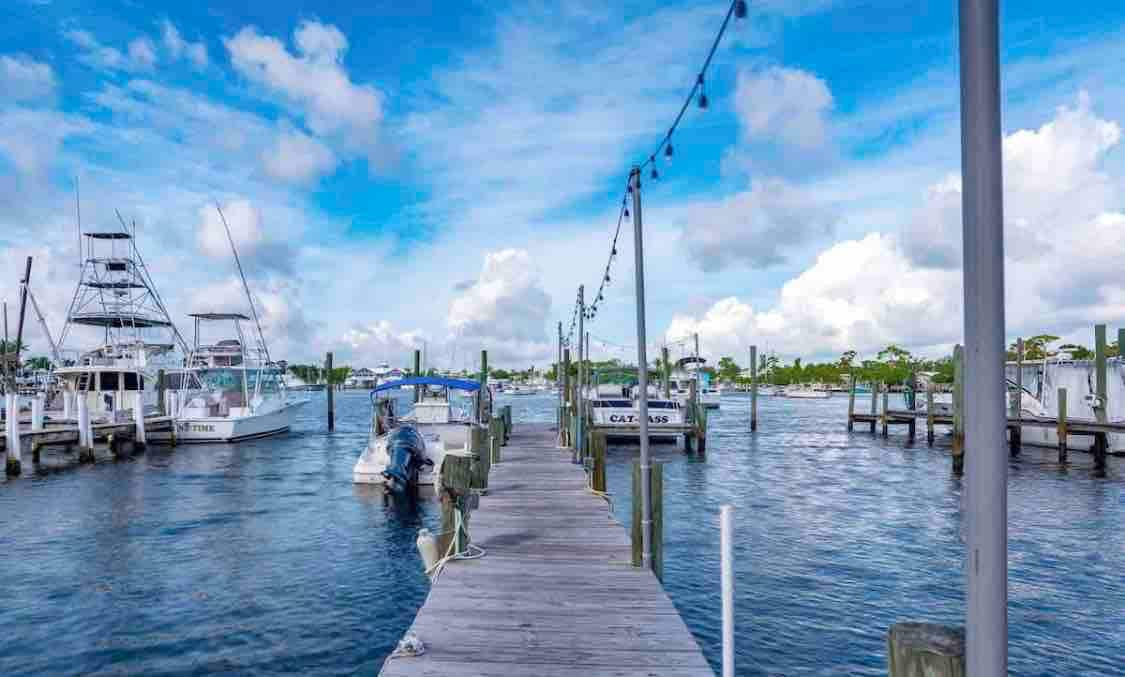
[689,370]
[440,422]
[616,411]
[805,393]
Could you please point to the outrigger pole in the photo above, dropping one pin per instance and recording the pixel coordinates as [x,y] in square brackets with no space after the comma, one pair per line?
[245,287]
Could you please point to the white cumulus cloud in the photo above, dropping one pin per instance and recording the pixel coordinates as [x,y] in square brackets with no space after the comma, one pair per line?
[298,158]
[177,46]
[313,79]
[245,221]
[783,105]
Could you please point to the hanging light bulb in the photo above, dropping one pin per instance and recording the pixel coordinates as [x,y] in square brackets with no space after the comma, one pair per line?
[740,9]
[626,216]
[653,174]
[703,102]
[607,277]
[613,252]
[668,152]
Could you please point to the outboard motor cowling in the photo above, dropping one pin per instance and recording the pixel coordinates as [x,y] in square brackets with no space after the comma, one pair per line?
[406,456]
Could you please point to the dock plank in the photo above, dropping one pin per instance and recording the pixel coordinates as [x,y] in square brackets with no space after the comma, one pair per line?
[556,592]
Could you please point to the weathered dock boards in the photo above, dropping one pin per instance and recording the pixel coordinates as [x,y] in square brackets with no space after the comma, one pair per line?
[556,593]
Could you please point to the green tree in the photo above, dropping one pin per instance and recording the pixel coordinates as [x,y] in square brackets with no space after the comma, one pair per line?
[39,362]
[728,370]
[1077,352]
[1034,348]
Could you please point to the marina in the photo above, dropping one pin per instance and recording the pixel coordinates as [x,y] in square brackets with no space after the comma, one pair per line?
[388,443]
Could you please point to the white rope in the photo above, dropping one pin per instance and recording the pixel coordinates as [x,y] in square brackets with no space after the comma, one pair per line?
[467,554]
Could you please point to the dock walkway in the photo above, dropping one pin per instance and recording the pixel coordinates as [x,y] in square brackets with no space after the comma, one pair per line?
[556,593]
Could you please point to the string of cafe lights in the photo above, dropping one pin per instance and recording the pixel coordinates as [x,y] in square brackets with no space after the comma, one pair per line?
[698,94]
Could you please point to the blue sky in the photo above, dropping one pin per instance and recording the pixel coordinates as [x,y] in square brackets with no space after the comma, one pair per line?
[451,172]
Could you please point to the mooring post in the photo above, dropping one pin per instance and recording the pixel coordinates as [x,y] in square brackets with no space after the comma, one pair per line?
[417,373]
[1101,441]
[886,407]
[874,403]
[564,428]
[930,414]
[1016,434]
[666,372]
[161,388]
[328,386]
[1062,425]
[140,439]
[85,431]
[754,390]
[851,401]
[597,479]
[925,650]
[958,452]
[982,209]
[12,465]
[726,548]
[507,418]
[580,430]
[68,405]
[483,387]
[37,403]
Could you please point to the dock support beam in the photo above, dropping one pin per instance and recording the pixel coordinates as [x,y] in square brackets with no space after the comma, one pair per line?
[1015,433]
[597,479]
[754,391]
[328,387]
[886,408]
[930,414]
[726,538]
[982,212]
[874,403]
[483,386]
[139,438]
[1101,439]
[958,452]
[564,407]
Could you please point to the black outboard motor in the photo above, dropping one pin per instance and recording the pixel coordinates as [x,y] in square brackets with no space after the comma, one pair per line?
[406,452]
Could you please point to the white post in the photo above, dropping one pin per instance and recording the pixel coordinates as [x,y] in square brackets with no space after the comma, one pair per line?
[139,416]
[982,214]
[37,403]
[13,426]
[68,405]
[84,440]
[727,545]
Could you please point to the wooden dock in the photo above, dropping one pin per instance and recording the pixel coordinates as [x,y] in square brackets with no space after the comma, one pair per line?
[556,592]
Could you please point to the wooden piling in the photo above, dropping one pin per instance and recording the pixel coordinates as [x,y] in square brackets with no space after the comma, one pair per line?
[925,650]
[874,403]
[666,372]
[958,410]
[1062,434]
[1015,432]
[507,418]
[1101,439]
[417,372]
[483,384]
[656,492]
[493,451]
[481,464]
[328,388]
[564,408]
[12,462]
[754,391]
[161,389]
[851,402]
[456,476]
[886,408]
[597,479]
[930,414]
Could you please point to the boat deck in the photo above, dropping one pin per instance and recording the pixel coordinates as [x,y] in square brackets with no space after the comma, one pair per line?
[556,593]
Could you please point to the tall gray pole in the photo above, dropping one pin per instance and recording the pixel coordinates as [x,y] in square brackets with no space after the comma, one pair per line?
[982,213]
[579,443]
[558,367]
[642,372]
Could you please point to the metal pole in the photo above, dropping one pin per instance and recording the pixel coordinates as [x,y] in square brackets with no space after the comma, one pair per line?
[983,232]
[579,443]
[23,311]
[727,568]
[642,372]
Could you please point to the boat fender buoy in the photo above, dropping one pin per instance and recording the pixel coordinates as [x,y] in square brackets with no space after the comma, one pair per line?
[409,646]
[427,548]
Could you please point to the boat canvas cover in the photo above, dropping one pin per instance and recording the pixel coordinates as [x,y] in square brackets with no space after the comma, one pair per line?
[453,383]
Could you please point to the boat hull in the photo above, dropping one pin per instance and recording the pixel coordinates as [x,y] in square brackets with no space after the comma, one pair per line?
[220,429]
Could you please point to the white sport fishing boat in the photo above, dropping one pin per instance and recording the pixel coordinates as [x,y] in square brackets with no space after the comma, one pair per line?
[229,392]
[407,450]
[116,297]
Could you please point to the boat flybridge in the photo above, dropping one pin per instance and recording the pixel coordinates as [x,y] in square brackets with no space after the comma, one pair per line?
[405,448]
[228,390]
[689,370]
[115,304]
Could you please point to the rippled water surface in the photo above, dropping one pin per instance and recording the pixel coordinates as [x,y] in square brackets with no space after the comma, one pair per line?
[263,558]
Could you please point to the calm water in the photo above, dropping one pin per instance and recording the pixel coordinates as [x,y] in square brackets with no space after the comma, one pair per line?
[263,557]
